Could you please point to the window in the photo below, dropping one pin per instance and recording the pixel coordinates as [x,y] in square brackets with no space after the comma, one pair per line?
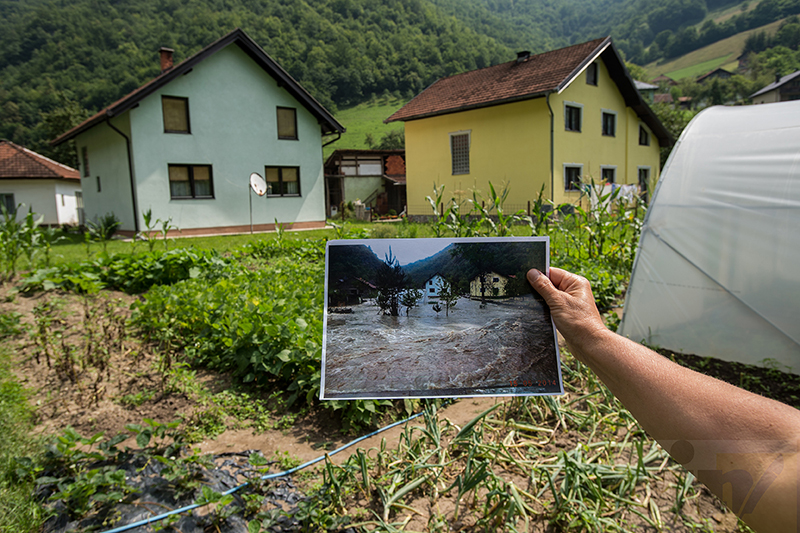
[572,178]
[99,188]
[176,114]
[190,181]
[7,202]
[609,124]
[609,174]
[459,152]
[283,181]
[572,118]
[644,137]
[591,74]
[644,180]
[85,158]
[287,123]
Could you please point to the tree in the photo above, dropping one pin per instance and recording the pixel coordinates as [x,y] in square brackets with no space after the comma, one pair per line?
[390,280]
[448,294]
[410,298]
[476,256]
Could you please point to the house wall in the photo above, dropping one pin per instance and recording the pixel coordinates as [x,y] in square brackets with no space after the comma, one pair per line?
[589,148]
[768,97]
[509,144]
[233,124]
[108,160]
[66,203]
[361,188]
[36,194]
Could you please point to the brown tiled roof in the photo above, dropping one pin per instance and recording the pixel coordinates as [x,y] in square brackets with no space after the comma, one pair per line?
[251,48]
[507,82]
[665,98]
[17,162]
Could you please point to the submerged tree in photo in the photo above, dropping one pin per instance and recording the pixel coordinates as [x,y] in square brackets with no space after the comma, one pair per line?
[390,280]
[448,295]
[410,298]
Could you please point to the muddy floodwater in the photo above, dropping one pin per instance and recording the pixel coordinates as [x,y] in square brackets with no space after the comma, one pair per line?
[508,347]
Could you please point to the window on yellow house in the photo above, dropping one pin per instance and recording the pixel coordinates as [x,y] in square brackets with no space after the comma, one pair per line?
[591,74]
[644,137]
[572,118]
[572,177]
[609,124]
[459,152]
[609,174]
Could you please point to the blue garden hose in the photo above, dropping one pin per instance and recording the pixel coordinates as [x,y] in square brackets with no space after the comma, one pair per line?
[265,477]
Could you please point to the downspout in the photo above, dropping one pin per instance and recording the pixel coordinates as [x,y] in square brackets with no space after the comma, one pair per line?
[338,136]
[130,174]
[552,158]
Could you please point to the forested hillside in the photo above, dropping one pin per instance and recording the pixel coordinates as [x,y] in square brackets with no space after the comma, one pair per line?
[61,60]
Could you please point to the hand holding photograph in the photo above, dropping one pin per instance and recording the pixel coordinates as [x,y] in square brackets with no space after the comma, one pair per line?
[425,318]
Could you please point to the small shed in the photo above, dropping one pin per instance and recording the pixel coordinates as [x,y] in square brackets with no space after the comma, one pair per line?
[716,273]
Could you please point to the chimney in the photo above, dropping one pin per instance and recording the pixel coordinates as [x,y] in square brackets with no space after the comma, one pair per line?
[166,58]
[778,77]
[523,56]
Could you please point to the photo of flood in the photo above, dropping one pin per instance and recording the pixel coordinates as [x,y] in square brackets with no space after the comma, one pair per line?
[421,318]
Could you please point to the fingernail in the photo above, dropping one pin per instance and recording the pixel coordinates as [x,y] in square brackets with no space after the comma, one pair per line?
[533,275]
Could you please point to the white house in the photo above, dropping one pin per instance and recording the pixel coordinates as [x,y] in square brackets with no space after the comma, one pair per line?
[49,188]
[185,144]
[433,286]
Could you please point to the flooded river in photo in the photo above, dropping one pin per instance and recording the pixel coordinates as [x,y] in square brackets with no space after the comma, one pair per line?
[508,347]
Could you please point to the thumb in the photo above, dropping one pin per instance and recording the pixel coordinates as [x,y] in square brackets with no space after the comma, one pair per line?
[543,286]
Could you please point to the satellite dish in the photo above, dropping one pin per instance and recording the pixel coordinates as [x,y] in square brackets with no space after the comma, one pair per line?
[258,184]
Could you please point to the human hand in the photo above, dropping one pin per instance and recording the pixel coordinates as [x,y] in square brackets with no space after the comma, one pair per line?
[572,306]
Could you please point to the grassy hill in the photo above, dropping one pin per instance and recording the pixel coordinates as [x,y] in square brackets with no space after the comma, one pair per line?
[720,54]
[364,118]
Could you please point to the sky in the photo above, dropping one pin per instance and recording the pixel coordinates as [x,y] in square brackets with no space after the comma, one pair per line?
[407,250]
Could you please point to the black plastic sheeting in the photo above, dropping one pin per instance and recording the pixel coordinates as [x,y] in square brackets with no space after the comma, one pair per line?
[157,496]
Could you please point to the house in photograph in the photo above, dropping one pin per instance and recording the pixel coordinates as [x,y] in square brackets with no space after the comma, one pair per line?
[375,177]
[783,89]
[48,188]
[185,144]
[493,286]
[432,286]
[555,120]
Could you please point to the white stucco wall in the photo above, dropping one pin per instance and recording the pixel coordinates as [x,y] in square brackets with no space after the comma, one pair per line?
[108,161]
[44,197]
[232,112]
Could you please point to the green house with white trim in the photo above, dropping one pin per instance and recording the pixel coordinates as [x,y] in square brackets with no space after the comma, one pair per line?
[185,144]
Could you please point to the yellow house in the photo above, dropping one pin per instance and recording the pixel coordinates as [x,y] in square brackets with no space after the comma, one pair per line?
[557,119]
[494,285]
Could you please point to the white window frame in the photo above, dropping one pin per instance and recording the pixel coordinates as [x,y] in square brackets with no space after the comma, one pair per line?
[579,106]
[616,122]
[452,134]
[564,167]
[609,167]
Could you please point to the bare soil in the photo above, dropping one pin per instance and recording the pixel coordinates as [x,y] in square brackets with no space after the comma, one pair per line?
[100,377]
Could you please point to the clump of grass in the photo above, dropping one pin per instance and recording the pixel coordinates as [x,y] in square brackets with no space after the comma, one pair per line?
[19,511]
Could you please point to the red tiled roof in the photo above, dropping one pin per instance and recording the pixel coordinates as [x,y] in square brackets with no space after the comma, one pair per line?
[17,162]
[535,76]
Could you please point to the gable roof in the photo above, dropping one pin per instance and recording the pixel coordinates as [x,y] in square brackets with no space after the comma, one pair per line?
[17,162]
[717,72]
[249,46]
[776,84]
[526,78]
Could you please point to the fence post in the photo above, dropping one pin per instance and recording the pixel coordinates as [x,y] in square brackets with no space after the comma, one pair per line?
[529,208]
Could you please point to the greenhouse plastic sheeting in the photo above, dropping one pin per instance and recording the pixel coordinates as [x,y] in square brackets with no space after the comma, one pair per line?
[717,273]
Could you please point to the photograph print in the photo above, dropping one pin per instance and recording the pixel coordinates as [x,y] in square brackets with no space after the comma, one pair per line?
[423,318]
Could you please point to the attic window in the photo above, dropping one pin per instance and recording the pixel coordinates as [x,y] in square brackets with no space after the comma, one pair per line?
[459,152]
[287,123]
[591,74]
[176,114]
